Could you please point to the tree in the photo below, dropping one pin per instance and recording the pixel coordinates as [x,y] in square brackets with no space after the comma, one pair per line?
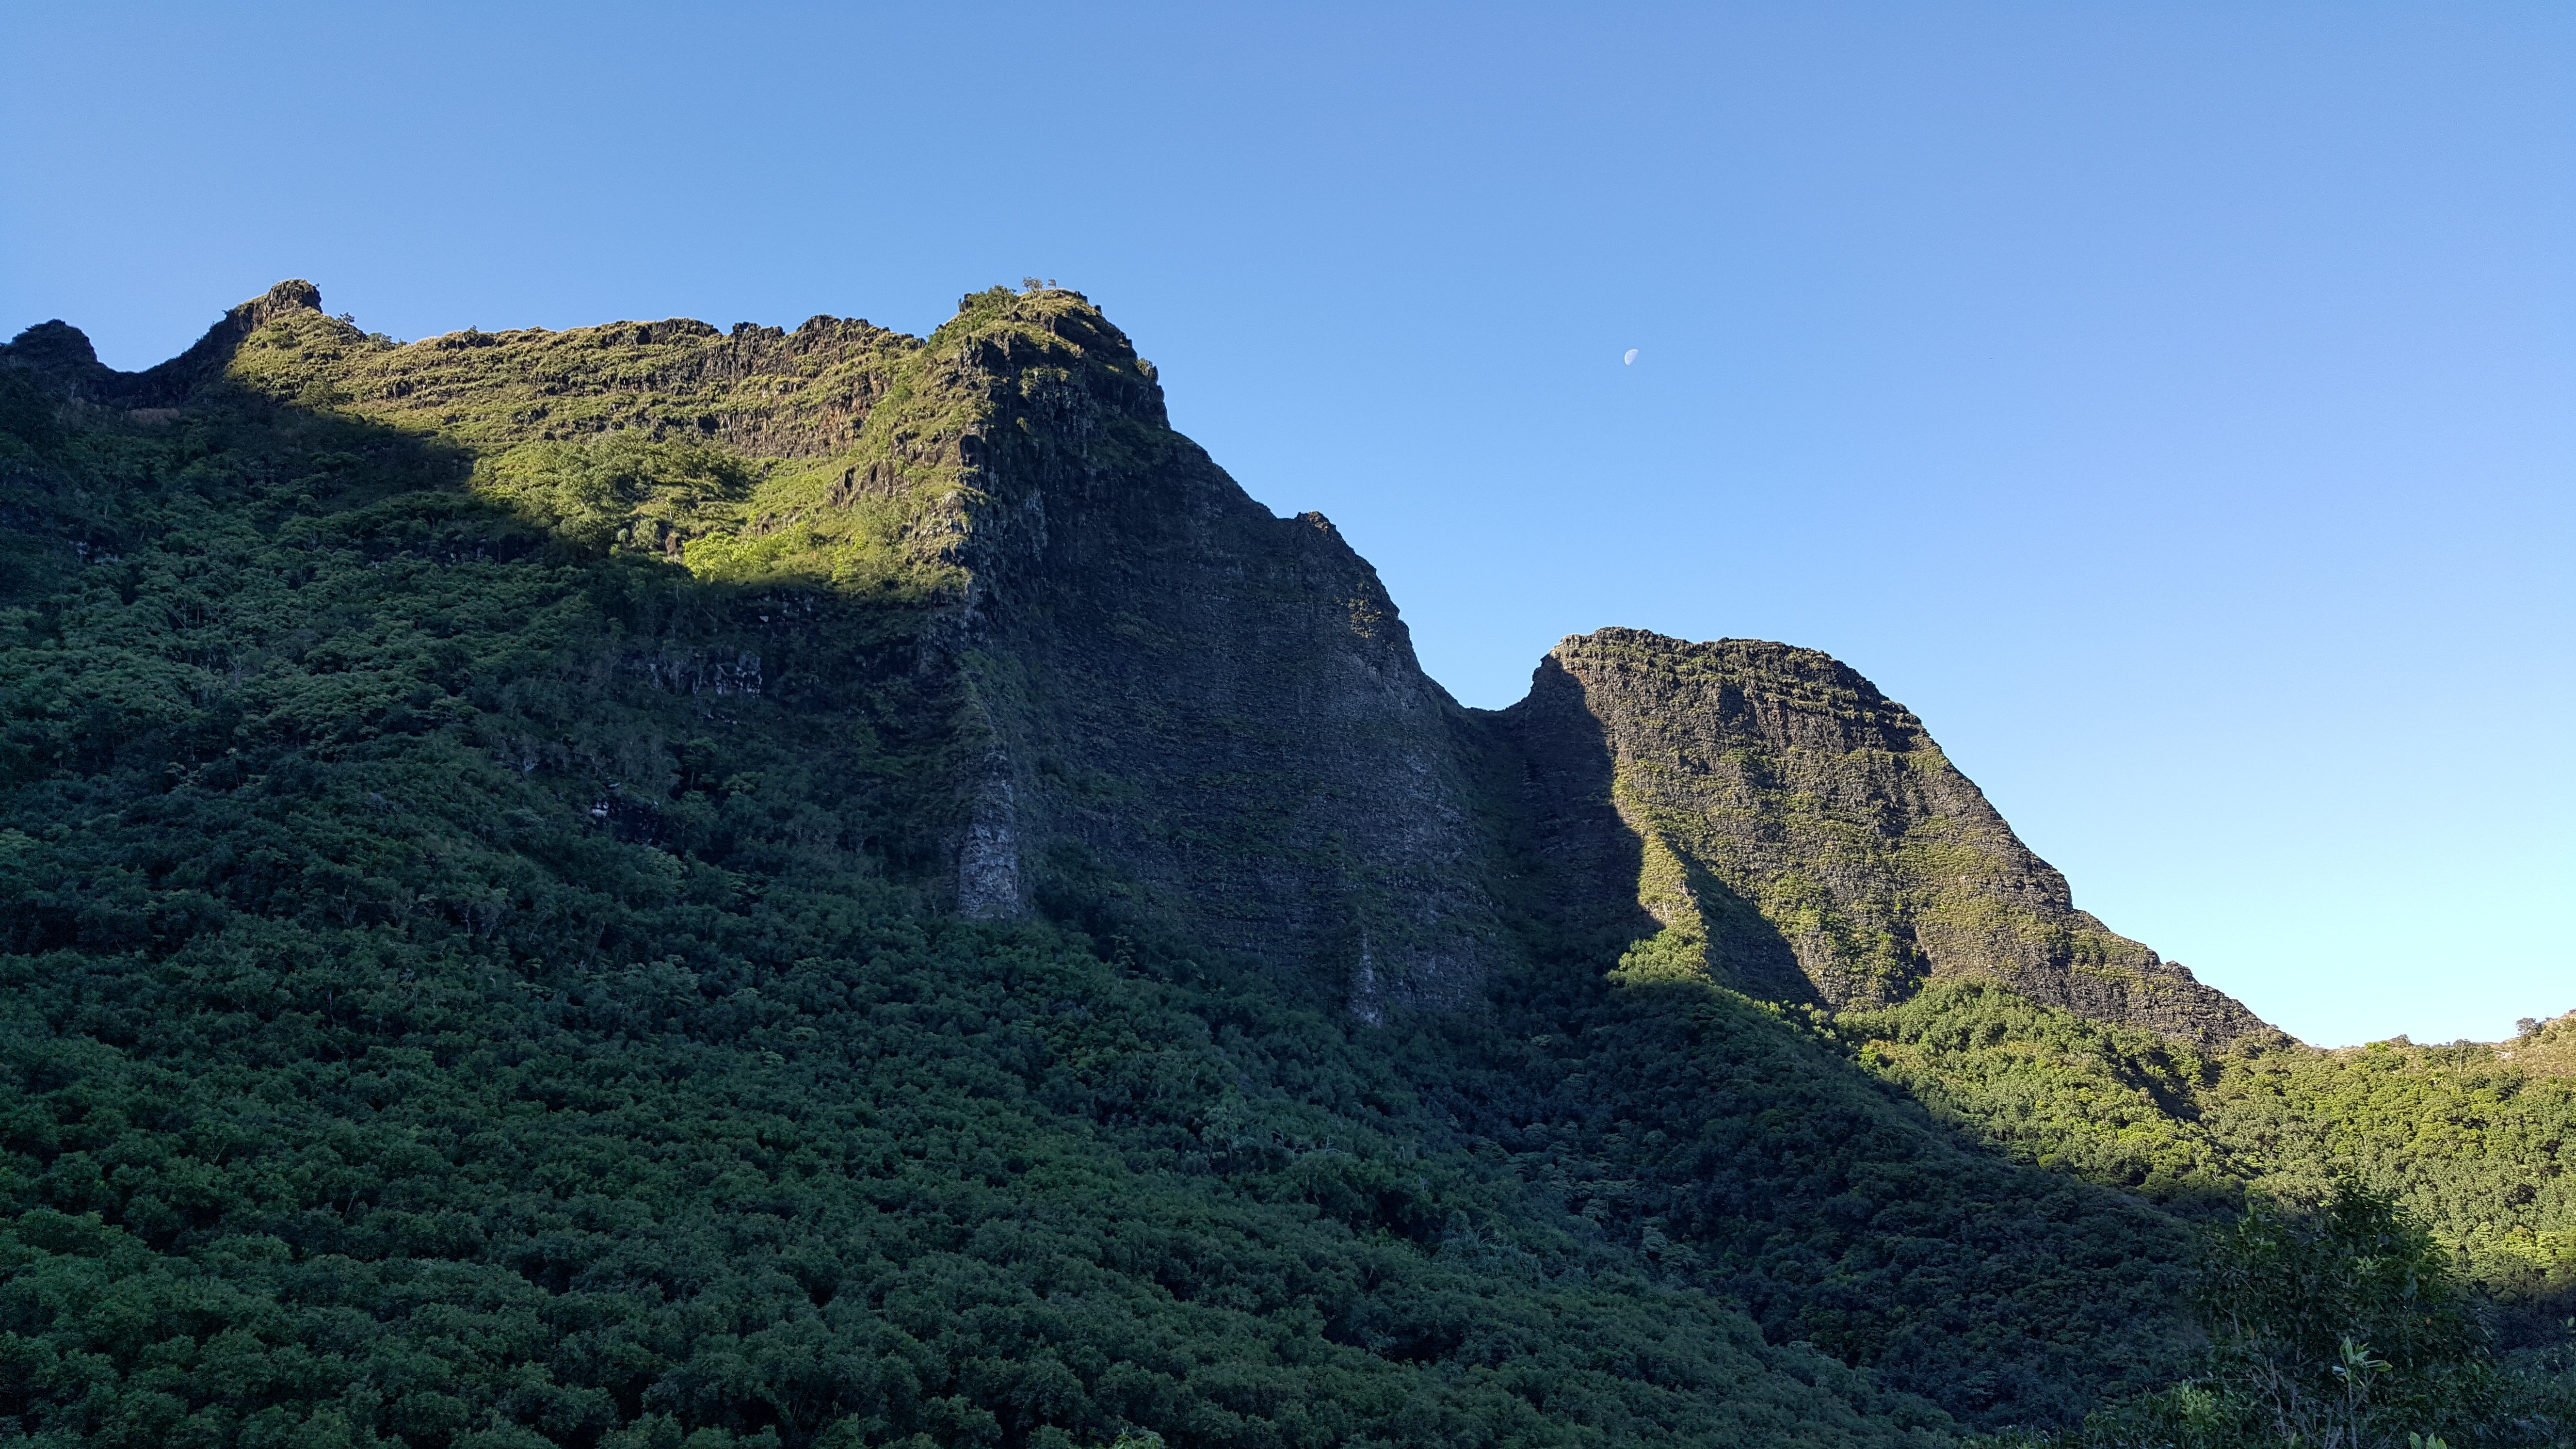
[2342,1327]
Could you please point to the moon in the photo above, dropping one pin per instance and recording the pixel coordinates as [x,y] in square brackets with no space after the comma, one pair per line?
[1631,359]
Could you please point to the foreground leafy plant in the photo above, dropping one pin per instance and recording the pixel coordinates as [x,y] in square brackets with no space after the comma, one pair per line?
[2344,1326]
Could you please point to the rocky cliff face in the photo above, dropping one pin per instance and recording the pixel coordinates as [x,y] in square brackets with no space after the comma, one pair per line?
[1156,690]
[1780,825]
[1214,708]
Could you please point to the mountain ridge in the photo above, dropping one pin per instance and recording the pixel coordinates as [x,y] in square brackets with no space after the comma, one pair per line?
[495,818]
[1060,464]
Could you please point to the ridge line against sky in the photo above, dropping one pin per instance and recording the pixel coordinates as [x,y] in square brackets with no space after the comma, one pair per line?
[2172,407]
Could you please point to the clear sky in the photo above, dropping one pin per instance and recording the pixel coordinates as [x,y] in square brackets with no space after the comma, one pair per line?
[2175,404]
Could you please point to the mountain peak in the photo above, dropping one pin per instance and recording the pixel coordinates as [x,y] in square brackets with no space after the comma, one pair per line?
[54,346]
[1797,833]
[292,295]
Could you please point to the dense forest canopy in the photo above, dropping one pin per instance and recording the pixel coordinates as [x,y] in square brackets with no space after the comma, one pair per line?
[488,907]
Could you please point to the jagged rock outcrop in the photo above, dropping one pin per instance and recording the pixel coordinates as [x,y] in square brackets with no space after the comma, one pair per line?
[62,356]
[1788,829]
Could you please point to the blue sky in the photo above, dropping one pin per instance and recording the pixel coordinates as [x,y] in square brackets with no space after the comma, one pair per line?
[2174,404]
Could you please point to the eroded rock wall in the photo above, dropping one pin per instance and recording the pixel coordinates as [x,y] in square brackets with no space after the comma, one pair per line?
[1215,706]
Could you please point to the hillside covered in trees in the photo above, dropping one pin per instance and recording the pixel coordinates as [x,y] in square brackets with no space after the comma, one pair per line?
[644,886]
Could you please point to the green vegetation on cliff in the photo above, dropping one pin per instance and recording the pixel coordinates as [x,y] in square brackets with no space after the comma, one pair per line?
[1804,835]
[2474,1139]
[1761,817]
[464,989]
[482,833]
[2344,1325]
